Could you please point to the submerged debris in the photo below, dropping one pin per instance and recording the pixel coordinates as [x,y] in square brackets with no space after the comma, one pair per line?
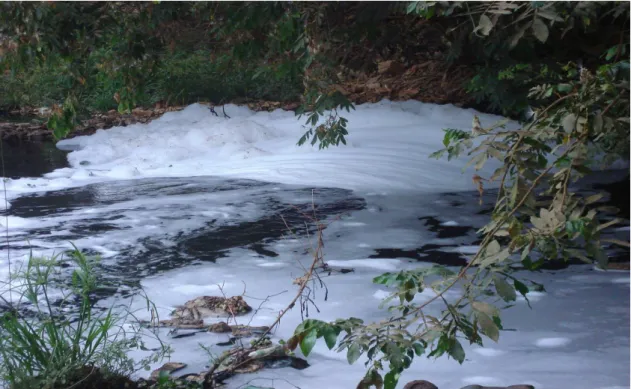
[192,314]
[167,368]
[238,359]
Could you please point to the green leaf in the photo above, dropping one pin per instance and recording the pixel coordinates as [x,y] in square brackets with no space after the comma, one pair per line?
[385,279]
[597,123]
[564,88]
[485,308]
[540,30]
[521,287]
[594,198]
[257,387]
[495,153]
[518,35]
[572,253]
[487,326]
[330,336]
[391,379]
[353,354]
[307,343]
[485,25]
[504,289]
[479,164]
[602,260]
[372,378]
[549,14]
[611,52]
[418,349]
[437,154]
[456,351]
[575,226]
[493,248]
[412,6]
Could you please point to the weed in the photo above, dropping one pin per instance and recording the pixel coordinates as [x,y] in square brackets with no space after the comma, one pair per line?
[55,337]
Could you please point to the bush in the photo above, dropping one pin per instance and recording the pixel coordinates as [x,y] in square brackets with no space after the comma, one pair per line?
[42,85]
[178,78]
[183,78]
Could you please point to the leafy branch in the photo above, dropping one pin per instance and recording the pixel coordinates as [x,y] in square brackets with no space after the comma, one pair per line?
[537,217]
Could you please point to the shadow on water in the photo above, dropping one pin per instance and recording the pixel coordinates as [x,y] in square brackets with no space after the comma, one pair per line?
[103,194]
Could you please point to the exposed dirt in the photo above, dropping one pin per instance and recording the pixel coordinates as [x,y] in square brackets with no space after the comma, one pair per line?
[36,130]
[431,81]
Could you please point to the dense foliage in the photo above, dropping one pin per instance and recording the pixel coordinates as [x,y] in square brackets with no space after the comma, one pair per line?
[566,63]
[109,55]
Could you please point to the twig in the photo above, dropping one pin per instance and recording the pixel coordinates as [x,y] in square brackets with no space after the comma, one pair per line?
[266,299]
[303,285]
[268,379]
[510,155]
[318,257]
[490,235]
[610,105]
[565,184]
[92,371]
[217,363]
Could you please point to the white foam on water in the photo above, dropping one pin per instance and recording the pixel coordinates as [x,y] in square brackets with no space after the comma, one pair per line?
[546,353]
[489,352]
[469,250]
[399,183]
[482,380]
[552,342]
[371,263]
[262,146]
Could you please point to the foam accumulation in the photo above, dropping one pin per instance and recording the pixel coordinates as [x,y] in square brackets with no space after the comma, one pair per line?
[172,205]
[387,149]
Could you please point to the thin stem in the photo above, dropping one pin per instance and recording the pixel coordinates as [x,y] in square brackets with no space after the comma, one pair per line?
[510,155]
[6,216]
[565,184]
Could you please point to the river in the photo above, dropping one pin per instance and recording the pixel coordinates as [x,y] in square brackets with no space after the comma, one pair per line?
[176,237]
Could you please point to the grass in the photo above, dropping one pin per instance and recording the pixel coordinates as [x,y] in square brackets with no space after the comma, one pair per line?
[53,337]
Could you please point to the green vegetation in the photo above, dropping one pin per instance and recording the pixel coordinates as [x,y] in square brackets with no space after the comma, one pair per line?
[180,78]
[55,337]
[581,121]
[567,61]
[536,218]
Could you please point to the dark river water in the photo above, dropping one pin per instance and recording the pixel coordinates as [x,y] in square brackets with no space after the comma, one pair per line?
[147,226]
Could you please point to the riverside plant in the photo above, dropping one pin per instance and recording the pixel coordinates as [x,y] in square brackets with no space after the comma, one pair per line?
[537,216]
[53,336]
